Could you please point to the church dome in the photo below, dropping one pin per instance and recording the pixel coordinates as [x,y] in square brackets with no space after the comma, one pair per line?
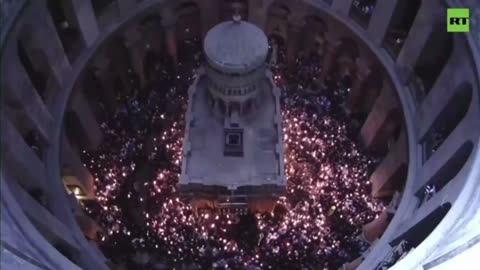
[236,46]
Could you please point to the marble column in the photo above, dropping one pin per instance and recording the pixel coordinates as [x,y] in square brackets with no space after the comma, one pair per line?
[391,173]
[382,120]
[376,227]
[86,20]
[357,92]
[87,119]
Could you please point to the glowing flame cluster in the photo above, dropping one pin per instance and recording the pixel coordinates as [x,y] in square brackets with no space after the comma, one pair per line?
[316,224]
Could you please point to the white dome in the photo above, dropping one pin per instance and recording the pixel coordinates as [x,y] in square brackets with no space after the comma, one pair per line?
[236,46]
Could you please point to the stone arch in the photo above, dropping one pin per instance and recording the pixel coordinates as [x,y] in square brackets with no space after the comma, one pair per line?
[448,119]
[433,58]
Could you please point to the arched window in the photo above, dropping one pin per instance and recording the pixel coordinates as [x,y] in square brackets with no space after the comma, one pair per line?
[447,120]
[433,58]
[400,24]
[446,173]
[420,231]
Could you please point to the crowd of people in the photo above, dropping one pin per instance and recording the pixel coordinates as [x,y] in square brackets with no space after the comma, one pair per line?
[315,226]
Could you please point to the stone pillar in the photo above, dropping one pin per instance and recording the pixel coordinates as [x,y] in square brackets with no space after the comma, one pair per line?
[86,20]
[382,120]
[392,171]
[137,48]
[358,87]
[329,58]
[342,6]
[87,119]
[376,227]
[380,20]
[294,34]
[73,165]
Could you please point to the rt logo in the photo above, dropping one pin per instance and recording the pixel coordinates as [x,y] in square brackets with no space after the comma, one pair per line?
[458,20]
